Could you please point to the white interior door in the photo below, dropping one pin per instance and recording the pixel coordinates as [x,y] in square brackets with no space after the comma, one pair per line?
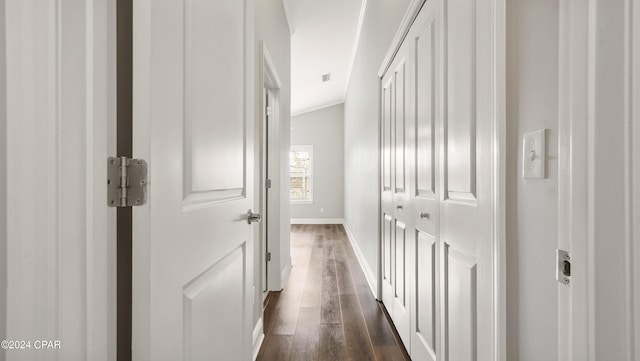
[425,317]
[469,182]
[396,188]
[440,182]
[193,274]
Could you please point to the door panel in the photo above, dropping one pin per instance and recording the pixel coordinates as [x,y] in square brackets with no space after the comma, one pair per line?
[386,136]
[206,308]
[460,284]
[387,248]
[193,249]
[460,123]
[425,110]
[212,27]
[399,109]
[400,264]
[423,342]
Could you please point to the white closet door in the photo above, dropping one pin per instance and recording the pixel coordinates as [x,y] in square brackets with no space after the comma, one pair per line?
[466,174]
[397,227]
[425,318]
[439,127]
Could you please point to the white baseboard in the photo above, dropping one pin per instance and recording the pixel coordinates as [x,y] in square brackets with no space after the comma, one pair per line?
[258,337]
[286,272]
[368,273]
[317,220]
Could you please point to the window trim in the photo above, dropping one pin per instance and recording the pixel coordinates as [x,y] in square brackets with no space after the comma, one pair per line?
[302,148]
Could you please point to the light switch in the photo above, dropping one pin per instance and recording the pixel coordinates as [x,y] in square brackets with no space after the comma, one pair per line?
[533,155]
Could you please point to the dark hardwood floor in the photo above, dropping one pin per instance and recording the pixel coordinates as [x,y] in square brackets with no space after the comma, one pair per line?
[326,311]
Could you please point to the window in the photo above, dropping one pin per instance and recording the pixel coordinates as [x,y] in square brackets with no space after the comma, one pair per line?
[301,173]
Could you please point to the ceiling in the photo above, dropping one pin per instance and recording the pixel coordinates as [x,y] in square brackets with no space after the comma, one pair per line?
[323,40]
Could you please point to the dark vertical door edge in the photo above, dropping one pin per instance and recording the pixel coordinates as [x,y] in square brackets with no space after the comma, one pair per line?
[124,38]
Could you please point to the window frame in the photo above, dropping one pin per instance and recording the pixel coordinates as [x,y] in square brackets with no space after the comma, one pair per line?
[302,148]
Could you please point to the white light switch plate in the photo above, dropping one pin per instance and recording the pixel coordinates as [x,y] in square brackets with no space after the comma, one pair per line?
[533,155]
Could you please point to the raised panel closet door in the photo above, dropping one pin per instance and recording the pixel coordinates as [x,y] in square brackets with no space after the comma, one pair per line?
[466,211]
[397,223]
[387,200]
[425,318]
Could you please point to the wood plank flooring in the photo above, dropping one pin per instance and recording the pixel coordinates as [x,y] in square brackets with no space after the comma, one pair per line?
[326,311]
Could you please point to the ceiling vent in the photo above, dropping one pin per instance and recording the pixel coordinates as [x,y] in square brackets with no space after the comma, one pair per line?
[326,77]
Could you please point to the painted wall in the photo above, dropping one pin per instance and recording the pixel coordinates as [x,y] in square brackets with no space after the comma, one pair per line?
[532,103]
[324,130]
[381,20]
[272,28]
[3,184]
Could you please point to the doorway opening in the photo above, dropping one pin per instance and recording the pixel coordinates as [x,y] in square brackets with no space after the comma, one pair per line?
[270,120]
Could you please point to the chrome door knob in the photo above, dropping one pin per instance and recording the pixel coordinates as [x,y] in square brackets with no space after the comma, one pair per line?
[424,215]
[253,217]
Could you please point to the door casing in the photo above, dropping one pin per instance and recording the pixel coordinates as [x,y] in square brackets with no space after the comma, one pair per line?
[271,85]
[60,129]
[599,134]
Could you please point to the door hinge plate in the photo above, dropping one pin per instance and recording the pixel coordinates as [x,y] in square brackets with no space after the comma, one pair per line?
[267,183]
[563,267]
[268,257]
[126,182]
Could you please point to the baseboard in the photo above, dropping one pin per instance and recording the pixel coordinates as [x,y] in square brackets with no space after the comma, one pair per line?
[317,220]
[284,276]
[258,337]
[368,273]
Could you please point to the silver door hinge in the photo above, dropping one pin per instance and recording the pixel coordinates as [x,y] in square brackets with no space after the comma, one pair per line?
[126,182]
[563,267]
[268,111]
[268,257]
[267,183]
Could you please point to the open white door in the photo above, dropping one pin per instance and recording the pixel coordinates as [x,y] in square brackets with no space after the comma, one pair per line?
[193,123]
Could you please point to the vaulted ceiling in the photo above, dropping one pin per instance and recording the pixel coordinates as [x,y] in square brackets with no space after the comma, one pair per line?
[323,41]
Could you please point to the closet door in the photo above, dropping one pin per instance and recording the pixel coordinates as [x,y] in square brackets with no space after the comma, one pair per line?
[397,253]
[423,38]
[468,197]
[439,165]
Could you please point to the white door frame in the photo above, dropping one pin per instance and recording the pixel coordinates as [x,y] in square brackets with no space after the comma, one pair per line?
[633,119]
[60,128]
[498,162]
[580,99]
[572,182]
[270,81]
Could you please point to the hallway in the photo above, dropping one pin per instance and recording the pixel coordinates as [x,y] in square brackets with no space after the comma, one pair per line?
[326,311]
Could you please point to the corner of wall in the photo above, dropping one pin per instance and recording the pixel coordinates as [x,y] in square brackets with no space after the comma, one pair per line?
[361,138]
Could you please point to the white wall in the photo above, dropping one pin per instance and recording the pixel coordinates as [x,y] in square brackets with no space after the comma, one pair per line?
[381,20]
[324,130]
[272,28]
[532,103]
[3,184]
